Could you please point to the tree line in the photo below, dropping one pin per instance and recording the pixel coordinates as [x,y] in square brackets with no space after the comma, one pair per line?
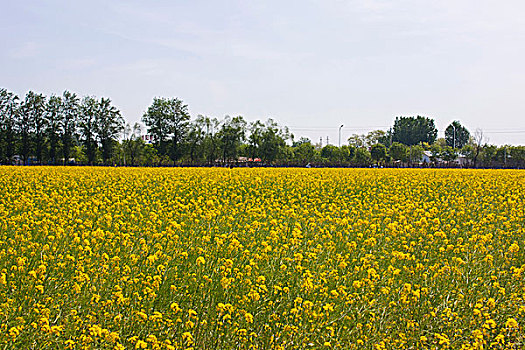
[68,129]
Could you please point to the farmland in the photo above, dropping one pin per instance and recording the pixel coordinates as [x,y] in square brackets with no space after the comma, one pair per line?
[115,258]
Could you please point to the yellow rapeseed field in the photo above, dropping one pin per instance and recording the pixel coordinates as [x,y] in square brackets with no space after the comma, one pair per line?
[115,258]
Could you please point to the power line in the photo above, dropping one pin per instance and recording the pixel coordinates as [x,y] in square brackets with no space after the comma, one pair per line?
[313,128]
[505,132]
[325,128]
[346,127]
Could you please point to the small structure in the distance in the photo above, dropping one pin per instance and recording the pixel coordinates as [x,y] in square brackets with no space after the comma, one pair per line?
[147,139]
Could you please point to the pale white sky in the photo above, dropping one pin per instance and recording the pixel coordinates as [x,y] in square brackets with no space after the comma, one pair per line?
[312,64]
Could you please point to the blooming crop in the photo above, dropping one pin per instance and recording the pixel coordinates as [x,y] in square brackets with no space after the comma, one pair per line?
[114,258]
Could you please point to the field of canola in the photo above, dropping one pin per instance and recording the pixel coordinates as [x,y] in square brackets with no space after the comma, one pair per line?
[114,258]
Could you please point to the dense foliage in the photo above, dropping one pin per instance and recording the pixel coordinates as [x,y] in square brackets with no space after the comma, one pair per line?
[414,130]
[71,130]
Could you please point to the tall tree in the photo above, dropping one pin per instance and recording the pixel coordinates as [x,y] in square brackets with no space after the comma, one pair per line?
[378,152]
[331,153]
[415,153]
[371,138]
[9,107]
[167,121]
[398,152]
[362,157]
[347,153]
[456,135]
[210,144]
[413,130]
[303,151]
[179,121]
[69,118]
[449,154]
[267,140]
[132,144]
[31,125]
[489,155]
[53,118]
[377,136]
[87,124]
[477,144]
[40,126]
[231,134]
[517,156]
[256,129]
[357,141]
[109,123]
[195,138]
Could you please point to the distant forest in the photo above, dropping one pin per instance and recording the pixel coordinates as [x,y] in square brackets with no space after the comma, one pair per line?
[70,130]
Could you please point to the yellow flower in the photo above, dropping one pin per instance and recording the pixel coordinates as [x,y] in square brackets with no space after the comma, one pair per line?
[511,323]
[141,345]
[514,248]
[200,261]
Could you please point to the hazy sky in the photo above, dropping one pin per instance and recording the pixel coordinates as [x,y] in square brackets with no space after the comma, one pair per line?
[311,65]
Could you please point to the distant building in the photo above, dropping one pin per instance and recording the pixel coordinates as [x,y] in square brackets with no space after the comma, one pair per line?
[426,157]
[462,161]
[147,139]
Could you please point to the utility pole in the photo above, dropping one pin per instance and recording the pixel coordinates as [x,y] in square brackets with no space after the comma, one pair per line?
[321,141]
[327,142]
[340,135]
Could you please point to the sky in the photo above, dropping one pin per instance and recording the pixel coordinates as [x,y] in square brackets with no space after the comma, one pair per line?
[312,65]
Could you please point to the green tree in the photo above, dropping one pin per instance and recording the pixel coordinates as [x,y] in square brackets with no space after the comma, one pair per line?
[179,121]
[210,142]
[476,145]
[195,139]
[398,152]
[231,134]
[31,125]
[150,156]
[436,151]
[69,119]
[347,153]
[53,110]
[357,141]
[267,141]
[256,129]
[488,155]
[456,135]
[371,138]
[517,156]
[303,151]
[109,124]
[167,121]
[378,152]
[414,130]
[132,145]
[88,127]
[448,154]
[377,136]
[415,153]
[39,125]
[331,154]
[502,155]
[9,107]
[362,157]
